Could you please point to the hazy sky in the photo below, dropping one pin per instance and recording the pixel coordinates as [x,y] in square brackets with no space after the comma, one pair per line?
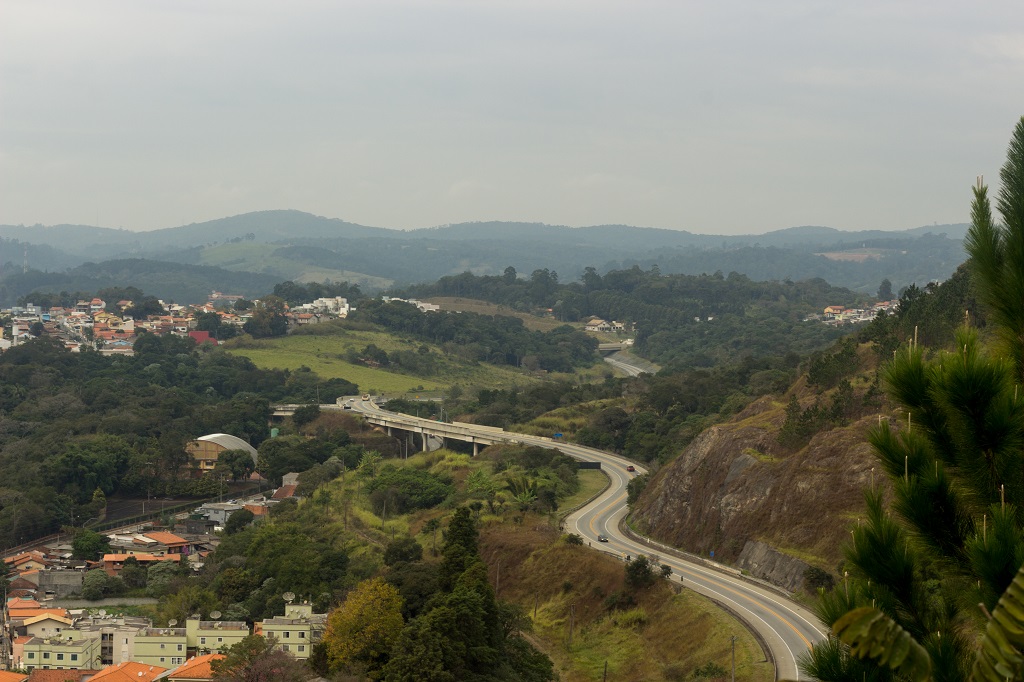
[714,117]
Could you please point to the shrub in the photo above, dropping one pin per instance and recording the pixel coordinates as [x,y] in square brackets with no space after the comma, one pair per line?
[631,618]
[619,600]
[639,573]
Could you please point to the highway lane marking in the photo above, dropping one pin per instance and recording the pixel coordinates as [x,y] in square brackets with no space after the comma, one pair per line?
[706,589]
[695,574]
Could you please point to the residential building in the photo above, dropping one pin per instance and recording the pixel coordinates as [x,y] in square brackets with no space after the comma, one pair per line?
[166,647]
[219,512]
[297,630]
[74,651]
[113,563]
[214,636]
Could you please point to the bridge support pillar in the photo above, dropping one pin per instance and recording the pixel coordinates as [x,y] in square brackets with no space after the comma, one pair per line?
[476,448]
[389,430]
[424,438]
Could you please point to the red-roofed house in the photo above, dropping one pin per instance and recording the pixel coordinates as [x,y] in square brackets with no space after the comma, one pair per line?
[27,561]
[40,675]
[284,492]
[174,543]
[113,563]
[12,677]
[129,672]
[194,669]
[22,614]
[201,337]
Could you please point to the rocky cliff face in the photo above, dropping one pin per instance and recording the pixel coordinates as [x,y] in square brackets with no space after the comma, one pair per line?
[735,485]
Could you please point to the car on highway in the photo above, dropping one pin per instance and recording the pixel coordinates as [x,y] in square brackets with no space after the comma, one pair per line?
[602,538]
[631,468]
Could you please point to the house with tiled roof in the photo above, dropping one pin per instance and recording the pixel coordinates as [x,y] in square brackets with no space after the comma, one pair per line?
[12,677]
[27,561]
[21,614]
[194,670]
[129,672]
[45,625]
[284,492]
[113,563]
[174,544]
[46,675]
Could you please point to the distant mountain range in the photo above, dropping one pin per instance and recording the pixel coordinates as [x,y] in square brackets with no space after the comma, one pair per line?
[279,245]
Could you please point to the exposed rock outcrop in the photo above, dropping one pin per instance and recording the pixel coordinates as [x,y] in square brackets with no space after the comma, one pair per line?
[734,484]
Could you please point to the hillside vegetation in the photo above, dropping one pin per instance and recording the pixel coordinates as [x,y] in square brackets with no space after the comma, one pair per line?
[337,355]
[775,488]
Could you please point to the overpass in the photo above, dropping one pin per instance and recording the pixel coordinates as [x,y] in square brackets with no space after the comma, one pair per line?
[469,433]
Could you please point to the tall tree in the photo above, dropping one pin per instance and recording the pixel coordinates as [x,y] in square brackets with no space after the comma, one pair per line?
[953,535]
[362,630]
[997,251]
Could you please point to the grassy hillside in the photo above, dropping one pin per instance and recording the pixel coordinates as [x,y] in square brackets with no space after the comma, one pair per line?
[664,636]
[326,355]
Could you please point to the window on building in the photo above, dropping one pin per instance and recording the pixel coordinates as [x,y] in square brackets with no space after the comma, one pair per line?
[302,647]
[177,660]
[220,639]
[287,634]
[202,640]
[46,654]
[286,647]
[60,657]
[31,654]
[181,647]
[74,657]
[163,646]
[302,635]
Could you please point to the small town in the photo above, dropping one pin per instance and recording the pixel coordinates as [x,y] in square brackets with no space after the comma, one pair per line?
[112,327]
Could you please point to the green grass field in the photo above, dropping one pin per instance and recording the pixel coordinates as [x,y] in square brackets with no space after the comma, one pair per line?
[326,354]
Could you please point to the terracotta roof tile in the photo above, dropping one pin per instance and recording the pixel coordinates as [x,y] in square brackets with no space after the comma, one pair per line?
[197,668]
[59,675]
[126,672]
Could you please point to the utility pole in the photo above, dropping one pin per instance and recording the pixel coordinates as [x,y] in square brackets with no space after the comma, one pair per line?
[733,658]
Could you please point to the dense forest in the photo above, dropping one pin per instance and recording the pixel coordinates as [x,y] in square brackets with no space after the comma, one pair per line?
[72,424]
[681,321]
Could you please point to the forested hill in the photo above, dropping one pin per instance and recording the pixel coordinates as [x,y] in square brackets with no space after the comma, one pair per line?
[680,320]
[169,281]
[303,247]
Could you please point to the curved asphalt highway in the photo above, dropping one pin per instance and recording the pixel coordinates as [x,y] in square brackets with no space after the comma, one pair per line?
[788,628]
[621,362]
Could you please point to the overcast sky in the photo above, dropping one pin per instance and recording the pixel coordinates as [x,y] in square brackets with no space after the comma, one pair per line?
[713,117]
